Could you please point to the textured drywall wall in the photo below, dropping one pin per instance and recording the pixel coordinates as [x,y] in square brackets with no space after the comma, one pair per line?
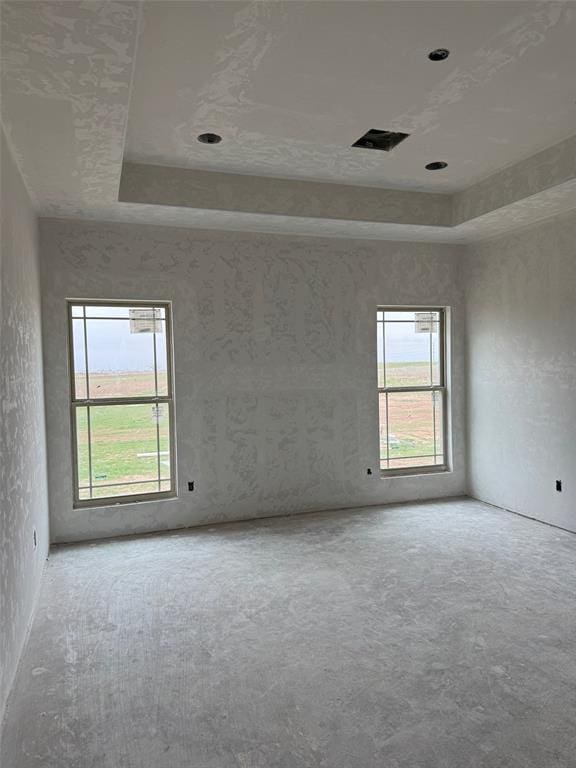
[521,334]
[23,485]
[275,370]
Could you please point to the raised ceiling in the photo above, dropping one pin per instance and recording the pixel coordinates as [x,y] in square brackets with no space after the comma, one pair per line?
[93,92]
[291,85]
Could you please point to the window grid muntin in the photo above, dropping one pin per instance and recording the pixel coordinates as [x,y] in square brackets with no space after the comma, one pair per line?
[76,403]
[440,388]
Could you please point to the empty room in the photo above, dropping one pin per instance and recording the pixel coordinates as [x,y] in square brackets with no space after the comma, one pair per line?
[288,384]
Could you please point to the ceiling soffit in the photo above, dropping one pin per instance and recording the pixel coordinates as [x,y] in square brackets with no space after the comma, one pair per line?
[513,195]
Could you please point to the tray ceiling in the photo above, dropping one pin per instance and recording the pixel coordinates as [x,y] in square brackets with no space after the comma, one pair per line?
[291,86]
[93,92]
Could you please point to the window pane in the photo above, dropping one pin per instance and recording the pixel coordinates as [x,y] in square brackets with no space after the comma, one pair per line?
[161,357]
[82,454]
[122,352]
[414,428]
[112,310]
[123,312]
[407,356]
[79,359]
[380,353]
[124,443]
[163,419]
[401,314]
[135,489]
[439,425]
[77,310]
[411,424]
[425,461]
[410,350]
[436,351]
[383,426]
[120,362]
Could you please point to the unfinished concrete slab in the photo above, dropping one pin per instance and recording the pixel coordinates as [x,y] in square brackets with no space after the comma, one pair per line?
[428,635]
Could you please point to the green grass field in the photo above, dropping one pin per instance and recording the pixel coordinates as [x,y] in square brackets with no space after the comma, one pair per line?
[124,448]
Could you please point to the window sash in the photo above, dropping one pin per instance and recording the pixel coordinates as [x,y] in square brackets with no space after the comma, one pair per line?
[87,402]
[416,469]
[167,319]
[440,387]
[122,400]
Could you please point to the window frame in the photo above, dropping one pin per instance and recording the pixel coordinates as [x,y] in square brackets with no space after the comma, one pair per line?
[76,403]
[442,387]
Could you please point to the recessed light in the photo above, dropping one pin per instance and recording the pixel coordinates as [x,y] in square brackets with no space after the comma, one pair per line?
[439,54]
[437,166]
[209,138]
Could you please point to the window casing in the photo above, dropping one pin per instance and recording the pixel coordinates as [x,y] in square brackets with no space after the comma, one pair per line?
[412,390]
[121,402]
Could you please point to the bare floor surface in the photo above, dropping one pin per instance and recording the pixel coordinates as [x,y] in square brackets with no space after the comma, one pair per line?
[430,635]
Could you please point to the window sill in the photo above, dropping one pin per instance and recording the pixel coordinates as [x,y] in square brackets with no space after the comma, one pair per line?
[124,502]
[415,472]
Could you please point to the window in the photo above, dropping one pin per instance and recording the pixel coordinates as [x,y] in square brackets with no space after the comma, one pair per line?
[411,389]
[122,407]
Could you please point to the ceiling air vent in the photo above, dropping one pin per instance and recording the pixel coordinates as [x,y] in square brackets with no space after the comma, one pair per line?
[384,140]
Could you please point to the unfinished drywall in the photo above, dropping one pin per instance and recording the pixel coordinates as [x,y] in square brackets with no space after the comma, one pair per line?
[23,486]
[275,369]
[521,331]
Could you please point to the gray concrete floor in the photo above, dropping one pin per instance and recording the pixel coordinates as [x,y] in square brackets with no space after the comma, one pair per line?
[430,635]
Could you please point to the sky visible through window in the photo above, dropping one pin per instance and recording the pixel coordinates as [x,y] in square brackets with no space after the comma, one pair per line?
[407,346]
[109,350]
